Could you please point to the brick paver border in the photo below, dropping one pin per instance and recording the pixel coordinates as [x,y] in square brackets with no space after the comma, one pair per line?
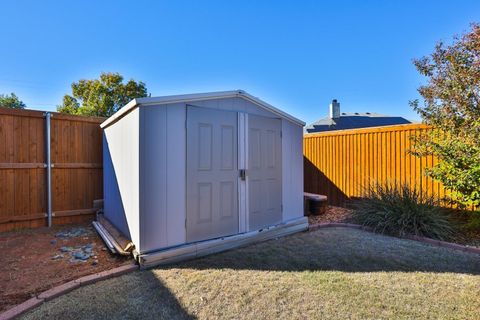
[65,288]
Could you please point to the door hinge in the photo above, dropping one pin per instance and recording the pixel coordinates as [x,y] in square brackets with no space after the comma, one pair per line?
[185,224]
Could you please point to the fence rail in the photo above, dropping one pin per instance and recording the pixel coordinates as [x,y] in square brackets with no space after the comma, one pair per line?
[76,156]
[339,163]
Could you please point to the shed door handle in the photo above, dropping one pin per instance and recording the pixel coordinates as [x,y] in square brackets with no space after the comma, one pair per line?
[243,174]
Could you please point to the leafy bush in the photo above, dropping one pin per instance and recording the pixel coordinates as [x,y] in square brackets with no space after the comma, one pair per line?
[451,105]
[397,209]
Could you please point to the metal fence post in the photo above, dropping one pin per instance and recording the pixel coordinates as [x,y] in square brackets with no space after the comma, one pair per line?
[48,117]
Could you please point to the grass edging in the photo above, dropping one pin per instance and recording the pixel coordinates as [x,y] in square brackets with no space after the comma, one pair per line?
[438,243]
[64,288]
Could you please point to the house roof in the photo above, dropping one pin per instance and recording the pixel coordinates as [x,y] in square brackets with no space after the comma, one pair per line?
[197,97]
[354,121]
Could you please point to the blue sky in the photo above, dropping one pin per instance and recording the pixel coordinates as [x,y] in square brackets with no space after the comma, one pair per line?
[296,55]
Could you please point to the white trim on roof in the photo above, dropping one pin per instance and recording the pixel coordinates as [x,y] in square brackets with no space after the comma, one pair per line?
[196,97]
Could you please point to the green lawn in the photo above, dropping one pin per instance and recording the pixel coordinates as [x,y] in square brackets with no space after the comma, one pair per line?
[335,273]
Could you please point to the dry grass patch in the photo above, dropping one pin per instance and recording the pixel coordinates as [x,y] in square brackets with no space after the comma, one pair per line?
[333,273]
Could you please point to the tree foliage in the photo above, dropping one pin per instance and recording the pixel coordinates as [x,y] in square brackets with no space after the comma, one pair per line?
[452,106]
[11,101]
[101,97]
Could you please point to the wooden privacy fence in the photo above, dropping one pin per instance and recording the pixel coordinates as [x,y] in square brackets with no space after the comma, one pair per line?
[76,158]
[339,163]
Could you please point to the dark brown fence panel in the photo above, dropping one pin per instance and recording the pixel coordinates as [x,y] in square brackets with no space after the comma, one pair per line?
[76,153]
[339,163]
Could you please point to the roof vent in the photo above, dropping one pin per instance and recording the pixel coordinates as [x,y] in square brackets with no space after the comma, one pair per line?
[356,113]
[368,113]
[344,114]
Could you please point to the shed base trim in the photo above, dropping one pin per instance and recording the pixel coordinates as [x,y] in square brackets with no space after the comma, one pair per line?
[203,248]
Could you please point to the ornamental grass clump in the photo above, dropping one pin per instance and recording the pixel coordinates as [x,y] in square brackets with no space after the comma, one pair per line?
[399,210]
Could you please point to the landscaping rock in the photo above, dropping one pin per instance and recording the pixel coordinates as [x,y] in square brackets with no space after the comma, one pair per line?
[80,255]
[53,241]
[57,256]
[74,232]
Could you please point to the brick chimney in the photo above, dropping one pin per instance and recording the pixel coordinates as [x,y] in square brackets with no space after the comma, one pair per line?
[334,109]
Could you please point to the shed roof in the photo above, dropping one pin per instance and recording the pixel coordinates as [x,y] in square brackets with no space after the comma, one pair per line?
[354,121]
[198,97]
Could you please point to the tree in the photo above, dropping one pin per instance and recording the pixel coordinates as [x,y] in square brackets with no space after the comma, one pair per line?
[11,101]
[101,97]
[452,106]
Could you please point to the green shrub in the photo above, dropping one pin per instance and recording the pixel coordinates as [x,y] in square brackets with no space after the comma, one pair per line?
[451,104]
[398,209]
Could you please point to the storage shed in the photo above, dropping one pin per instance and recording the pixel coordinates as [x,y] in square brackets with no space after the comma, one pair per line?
[193,174]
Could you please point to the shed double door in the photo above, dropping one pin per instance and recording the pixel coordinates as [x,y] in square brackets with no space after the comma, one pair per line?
[213,174]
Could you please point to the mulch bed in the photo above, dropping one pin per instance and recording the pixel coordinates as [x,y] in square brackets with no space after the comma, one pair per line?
[333,214]
[467,236]
[36,260]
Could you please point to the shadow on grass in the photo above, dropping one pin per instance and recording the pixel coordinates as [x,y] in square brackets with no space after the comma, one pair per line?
[341,249]
[155,300]
[139,295]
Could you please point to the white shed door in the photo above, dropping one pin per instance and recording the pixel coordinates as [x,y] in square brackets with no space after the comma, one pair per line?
[212,173]
[264,171]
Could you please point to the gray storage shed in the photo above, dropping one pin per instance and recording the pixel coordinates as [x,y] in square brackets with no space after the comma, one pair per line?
[193,174]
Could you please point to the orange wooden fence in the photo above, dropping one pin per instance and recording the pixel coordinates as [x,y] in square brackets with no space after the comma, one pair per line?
[76,155]
[339,163]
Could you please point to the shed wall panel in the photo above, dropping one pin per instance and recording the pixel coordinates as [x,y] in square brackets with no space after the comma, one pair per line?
[153,178]
[121,171]
[176,174]
[163,177]
[292,171]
